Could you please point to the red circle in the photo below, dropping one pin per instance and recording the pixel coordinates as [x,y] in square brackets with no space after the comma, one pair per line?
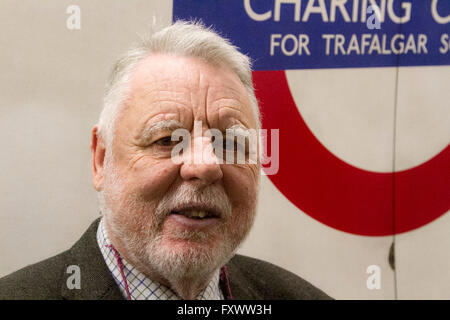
[338,194]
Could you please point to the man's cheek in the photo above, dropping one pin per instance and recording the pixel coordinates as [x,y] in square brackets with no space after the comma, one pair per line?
[155,179]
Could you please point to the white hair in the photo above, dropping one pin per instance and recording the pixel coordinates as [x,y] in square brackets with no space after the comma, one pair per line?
[186,38]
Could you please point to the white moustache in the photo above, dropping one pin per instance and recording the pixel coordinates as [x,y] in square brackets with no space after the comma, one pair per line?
[187,197]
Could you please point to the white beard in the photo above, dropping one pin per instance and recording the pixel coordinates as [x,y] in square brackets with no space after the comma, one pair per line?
[139,227]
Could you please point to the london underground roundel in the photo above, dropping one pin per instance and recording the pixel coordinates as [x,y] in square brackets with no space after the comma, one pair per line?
[296,35]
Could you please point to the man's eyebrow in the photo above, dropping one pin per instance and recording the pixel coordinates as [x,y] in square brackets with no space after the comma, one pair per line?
[163,125]
[238,129]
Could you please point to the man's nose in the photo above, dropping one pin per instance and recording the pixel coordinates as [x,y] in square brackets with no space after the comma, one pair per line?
[200,162]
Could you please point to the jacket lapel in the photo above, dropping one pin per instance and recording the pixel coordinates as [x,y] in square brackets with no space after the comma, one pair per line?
[96,282]
[241,288]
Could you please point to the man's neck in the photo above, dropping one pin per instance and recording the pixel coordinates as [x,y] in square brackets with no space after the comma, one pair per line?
[189,288]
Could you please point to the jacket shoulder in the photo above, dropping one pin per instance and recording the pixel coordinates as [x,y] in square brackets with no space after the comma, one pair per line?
[38,281]
[251,278]
[48,279]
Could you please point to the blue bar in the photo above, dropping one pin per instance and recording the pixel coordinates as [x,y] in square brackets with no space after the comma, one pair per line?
[230,18]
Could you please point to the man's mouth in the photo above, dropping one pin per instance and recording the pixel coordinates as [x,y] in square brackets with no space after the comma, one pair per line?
[195,217]
[195,214]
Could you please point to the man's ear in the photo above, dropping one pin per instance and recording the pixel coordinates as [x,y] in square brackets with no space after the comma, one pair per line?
[98,158]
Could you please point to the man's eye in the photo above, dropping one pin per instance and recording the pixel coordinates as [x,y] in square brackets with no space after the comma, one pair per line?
[229,144]
[165,142]
[234,144]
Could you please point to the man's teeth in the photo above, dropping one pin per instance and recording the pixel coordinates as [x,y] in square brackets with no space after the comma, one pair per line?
[195,214]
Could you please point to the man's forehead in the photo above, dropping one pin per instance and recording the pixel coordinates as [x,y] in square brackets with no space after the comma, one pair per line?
[160,70]
[168,83]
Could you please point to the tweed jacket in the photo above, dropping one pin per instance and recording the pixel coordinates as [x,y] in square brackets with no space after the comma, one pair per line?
[249,278]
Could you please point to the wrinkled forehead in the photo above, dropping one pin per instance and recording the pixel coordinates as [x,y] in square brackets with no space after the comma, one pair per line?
[173,84]
[170,67]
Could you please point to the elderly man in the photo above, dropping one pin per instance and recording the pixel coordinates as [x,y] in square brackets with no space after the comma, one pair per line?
[169,229]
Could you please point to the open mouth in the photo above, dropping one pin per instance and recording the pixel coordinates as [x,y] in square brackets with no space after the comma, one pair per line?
[195,214]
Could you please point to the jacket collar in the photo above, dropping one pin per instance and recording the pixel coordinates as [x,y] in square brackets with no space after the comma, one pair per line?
[96,282]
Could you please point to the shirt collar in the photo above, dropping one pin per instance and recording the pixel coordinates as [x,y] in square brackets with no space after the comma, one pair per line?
[141,287]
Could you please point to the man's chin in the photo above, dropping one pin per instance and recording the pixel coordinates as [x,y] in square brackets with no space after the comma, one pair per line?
[178,257]
[194,244]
